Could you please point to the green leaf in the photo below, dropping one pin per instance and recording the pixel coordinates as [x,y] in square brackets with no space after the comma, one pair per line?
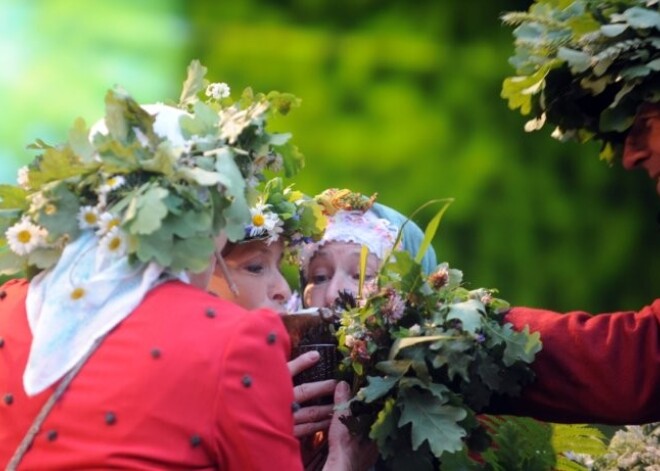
[199,176]
[364,254]
[237,214]
[10,263]
[56,164]
[642,18]
[521,346]
[431,421]
[616,119]
[193,84]
[60,217]
[519,90]
[437,389]
[613,30]
[407,342]
[469,312]
[431,229]
[385,426]
[156,247]
[192,254]
[163,160]
[292,159]
[44,258]
[378,387]
[79,140]
[578,61]
[654,65]
[150,210]
[204,121]
[13,197]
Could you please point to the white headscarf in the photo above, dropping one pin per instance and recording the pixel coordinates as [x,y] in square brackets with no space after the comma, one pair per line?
[108,288]
[363,228]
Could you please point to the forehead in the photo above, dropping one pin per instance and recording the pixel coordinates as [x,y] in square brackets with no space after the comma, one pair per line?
[254,247]
[341,252]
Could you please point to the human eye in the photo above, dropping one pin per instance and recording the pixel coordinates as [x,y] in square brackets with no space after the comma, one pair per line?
[255,268]
[318,276]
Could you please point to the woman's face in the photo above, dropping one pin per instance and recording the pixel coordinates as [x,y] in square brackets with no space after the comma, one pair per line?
[335,267]
[254,267]
[642,147]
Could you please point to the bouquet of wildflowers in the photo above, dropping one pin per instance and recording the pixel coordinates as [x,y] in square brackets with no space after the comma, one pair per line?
[153,197]
[427,355]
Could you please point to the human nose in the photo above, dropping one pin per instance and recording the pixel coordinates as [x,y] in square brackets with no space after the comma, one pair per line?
[280,290]
[337,284]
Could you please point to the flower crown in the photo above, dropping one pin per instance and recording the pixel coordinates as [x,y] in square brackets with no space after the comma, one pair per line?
[585,67]
[152,188]
[350,220]
[286,213]
[334,200]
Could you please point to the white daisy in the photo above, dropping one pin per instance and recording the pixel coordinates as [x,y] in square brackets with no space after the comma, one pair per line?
[106,222]
[114,243]
[263,222]
[112,184]
[24,236]
[23,178]
[88,217]
[218,90]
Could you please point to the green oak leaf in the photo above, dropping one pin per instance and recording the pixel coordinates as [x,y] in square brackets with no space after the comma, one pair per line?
[13,197]
[192,254]
[378,387]
[469,312]
[193,84]
[385,428]
[150,210]
[155,247]
[79,140]
[520,346]
[292,159]
[431,421]
[60,216]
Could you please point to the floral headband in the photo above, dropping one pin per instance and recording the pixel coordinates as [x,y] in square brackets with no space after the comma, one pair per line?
[153,188]
[285,213]
[350,220]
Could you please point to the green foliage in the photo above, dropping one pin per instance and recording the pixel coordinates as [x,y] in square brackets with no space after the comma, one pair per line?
[427,355]
[576,439]
[520,444]
[144,193]
[585,67]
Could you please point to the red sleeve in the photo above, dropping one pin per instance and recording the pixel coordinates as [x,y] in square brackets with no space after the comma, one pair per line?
[593,369]
[254,403]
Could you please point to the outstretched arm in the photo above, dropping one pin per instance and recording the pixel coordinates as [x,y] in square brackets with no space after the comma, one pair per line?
[603,368]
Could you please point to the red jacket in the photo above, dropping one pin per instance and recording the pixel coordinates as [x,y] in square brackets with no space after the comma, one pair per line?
[592,369]
[187,381]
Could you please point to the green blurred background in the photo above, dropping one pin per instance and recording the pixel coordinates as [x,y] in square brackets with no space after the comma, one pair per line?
[399,97]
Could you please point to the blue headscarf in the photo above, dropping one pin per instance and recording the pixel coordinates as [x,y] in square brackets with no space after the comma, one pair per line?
[412,236]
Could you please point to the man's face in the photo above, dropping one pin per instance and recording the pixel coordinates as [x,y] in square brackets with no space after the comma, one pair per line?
[642,146]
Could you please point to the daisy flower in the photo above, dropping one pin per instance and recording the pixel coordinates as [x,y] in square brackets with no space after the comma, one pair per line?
[218,90]
[88,217]
[112,184]
[24,236]
[114,243]
[106,222]
[259,216]
[23,178]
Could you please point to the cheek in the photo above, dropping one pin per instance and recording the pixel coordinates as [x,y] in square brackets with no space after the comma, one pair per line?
[314,296]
